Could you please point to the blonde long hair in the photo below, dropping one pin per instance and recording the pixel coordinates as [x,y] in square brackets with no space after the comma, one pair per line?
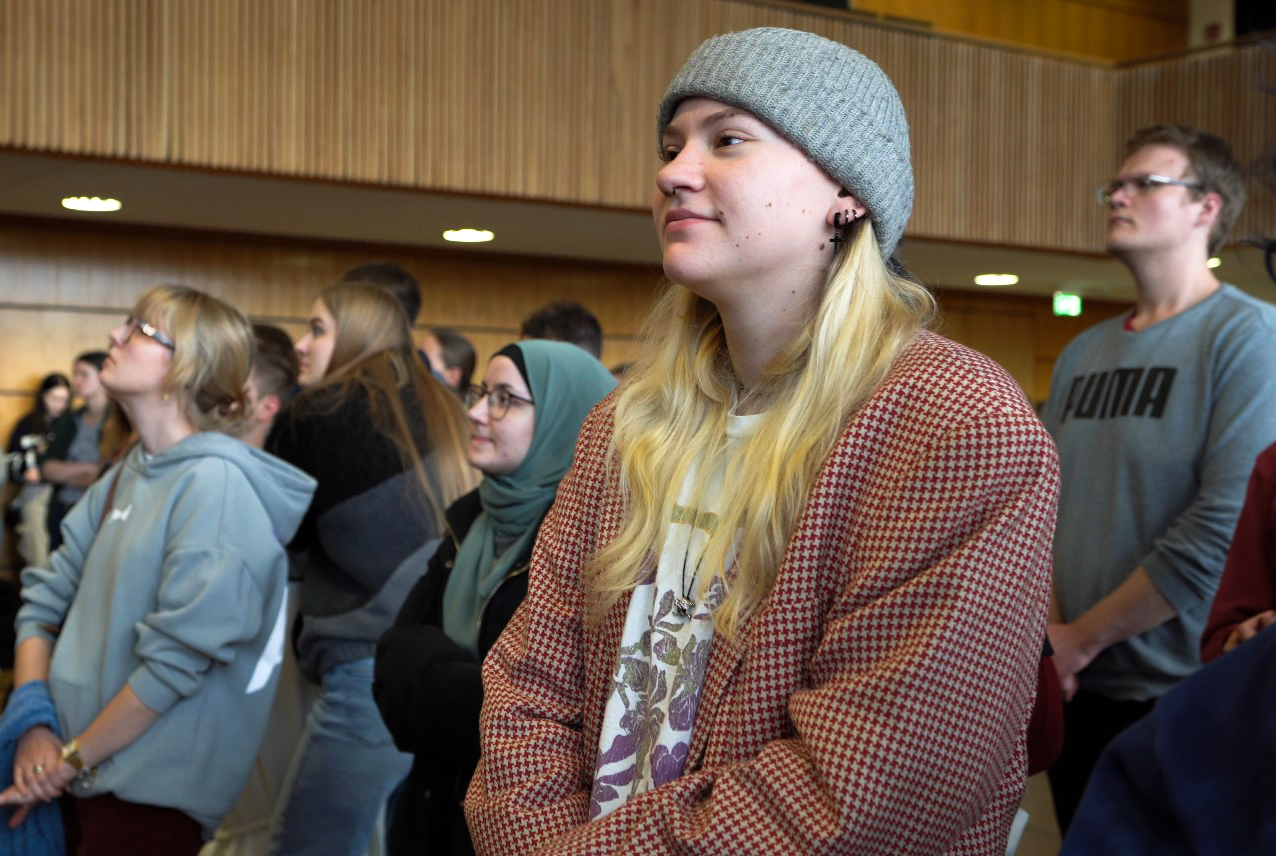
[674,413]
[373,351]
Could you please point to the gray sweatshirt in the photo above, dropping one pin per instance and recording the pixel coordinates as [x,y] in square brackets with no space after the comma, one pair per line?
[1157,433]
[180,595]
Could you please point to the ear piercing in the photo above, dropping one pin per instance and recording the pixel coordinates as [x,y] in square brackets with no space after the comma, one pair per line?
[841,221]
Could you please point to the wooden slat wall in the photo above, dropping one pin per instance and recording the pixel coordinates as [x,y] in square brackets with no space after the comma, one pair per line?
[544,99]
[553,99]
[1105,29]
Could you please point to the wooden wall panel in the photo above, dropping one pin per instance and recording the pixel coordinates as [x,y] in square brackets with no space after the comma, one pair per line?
[13,406]
[1104,29]
[991,156]
[553,99]
[42,340]
[1006,333]
[543,99]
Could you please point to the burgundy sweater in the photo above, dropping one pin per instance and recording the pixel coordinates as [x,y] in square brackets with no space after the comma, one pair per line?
[1248,586]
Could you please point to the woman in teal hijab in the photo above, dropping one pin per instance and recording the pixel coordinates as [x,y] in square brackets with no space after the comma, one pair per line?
[524,419]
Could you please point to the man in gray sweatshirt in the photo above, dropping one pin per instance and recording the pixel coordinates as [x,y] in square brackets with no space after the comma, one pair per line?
[1158,416]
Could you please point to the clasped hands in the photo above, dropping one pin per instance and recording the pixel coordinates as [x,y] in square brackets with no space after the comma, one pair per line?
[39,773]
[1071,655]
[1249,628]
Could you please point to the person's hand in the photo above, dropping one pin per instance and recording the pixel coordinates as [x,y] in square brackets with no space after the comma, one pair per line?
[10,796]
[39,773]
[1249,628]
[1071,655]
[31,475]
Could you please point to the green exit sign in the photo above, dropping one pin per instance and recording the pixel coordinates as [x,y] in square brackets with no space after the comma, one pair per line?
[1067,304]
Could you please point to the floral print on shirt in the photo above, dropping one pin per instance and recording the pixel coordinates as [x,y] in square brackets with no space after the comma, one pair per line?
[663,656]
[657,685]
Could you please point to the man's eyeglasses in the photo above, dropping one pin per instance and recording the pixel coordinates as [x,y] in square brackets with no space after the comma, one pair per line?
[498,399]
[1140,184]
[150,331]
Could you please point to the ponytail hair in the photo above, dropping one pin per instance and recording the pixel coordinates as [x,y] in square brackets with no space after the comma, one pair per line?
[212,352]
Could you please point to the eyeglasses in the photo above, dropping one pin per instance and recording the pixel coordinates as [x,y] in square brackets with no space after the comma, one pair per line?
[150,331]
[1140,184]
[498,399]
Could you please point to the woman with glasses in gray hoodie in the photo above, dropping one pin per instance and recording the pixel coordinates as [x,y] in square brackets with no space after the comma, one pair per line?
[147,647]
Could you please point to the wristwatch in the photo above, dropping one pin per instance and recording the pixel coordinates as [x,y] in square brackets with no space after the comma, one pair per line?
[71,755]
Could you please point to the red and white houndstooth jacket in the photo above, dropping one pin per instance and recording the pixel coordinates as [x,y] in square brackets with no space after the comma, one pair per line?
[876,703]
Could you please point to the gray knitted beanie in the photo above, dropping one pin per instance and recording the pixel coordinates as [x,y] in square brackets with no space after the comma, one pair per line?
[833,103]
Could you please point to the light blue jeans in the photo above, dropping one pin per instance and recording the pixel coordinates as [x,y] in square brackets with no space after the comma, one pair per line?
[343,771]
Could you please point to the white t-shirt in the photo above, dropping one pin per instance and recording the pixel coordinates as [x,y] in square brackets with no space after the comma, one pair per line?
[664,650]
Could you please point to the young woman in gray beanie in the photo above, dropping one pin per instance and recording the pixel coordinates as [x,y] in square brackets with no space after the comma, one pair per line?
[792,595]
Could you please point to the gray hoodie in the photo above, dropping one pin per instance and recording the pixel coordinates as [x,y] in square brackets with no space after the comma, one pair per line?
[180,595]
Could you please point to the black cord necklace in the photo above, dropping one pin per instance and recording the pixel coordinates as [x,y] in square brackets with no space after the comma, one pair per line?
[685,605]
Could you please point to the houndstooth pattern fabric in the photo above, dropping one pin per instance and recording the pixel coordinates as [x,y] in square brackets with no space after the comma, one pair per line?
[879,699]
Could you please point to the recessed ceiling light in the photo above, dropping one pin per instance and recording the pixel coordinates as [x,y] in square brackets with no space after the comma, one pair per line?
[1214,262]
[91,203]
[468,236]
[996,279]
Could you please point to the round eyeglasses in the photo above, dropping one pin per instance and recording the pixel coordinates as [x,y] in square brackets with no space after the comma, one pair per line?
[498,399]
[1140,184]
[150,331]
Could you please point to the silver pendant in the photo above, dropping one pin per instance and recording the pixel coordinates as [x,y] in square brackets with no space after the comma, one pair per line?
[683,606]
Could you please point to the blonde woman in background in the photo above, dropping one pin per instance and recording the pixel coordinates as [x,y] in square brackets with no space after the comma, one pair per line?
[147,645]
[791,597]
[386,442]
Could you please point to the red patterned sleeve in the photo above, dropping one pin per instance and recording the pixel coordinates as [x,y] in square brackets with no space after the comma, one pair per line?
[531,783]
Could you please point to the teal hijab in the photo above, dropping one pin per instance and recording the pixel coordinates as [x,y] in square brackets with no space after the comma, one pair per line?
[566,382]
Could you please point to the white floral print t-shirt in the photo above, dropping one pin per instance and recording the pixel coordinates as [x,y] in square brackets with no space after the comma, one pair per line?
[664,650]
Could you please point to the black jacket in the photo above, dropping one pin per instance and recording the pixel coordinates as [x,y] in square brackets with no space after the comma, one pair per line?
[365,536]
[430,690]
